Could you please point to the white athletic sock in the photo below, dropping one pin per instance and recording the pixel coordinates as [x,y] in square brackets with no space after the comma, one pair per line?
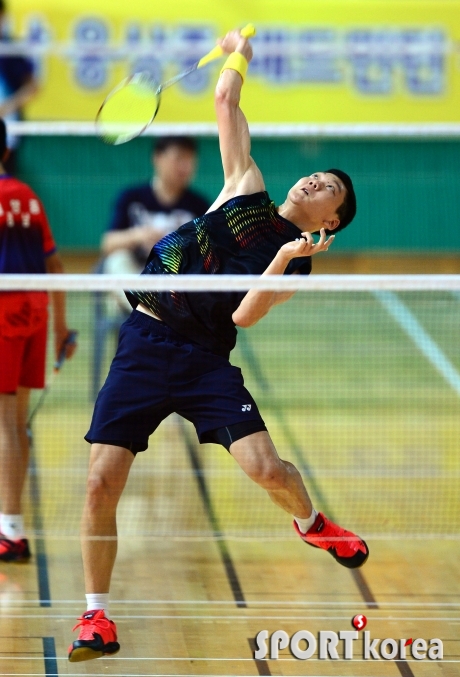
[96,601]
[12,526]
[305,524]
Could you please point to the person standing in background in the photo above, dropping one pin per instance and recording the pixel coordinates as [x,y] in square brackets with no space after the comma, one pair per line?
[146,213]
[26,246]
[18,85]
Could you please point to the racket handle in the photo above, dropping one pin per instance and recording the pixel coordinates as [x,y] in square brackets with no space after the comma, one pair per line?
[214,54]
[70,340]
[247,32]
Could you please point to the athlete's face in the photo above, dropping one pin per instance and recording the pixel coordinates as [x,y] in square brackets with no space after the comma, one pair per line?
[175,166]
[318,197]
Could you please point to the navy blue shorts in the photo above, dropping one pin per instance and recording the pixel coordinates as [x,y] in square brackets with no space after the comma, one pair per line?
[156,372]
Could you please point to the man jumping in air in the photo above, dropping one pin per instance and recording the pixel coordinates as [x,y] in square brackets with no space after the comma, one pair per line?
[173,350]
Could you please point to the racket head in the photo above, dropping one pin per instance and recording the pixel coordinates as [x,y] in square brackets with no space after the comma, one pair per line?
[128,109]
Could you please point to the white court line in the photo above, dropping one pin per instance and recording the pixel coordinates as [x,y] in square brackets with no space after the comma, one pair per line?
[251,603]
[427,346]
[245,618]
[241,660]
[420,536]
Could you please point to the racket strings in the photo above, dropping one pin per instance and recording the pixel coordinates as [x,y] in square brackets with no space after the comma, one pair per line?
[127,111]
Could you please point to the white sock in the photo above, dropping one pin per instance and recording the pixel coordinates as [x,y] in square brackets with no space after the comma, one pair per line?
[306,524]
[12,526]
[96,601]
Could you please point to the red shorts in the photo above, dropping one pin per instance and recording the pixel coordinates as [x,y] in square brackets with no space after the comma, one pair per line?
[23,334]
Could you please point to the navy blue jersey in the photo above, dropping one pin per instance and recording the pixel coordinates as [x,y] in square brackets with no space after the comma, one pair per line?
[241,237]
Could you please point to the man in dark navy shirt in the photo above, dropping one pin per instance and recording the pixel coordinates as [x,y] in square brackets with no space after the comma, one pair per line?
[173,350]
[146,213]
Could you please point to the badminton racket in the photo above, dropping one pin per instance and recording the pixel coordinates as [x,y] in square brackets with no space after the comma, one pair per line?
[132,105]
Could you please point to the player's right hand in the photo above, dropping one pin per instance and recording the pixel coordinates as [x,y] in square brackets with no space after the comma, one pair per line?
[234,40]
[63,346]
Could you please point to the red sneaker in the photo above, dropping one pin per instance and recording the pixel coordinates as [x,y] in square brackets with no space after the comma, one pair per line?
[14,551]
[98,637]
[345,547]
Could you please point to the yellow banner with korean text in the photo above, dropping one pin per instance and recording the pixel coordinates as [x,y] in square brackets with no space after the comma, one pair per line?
[334,61]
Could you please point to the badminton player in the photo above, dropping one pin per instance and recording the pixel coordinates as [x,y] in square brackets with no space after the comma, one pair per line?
[26,246]
[173,350]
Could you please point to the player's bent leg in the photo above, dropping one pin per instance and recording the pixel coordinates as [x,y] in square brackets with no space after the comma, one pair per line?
[108,471]
[257,456]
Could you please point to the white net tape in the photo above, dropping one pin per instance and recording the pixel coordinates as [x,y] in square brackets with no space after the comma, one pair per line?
[335,283]
[282,130]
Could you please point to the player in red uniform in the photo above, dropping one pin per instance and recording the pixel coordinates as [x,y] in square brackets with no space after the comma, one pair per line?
[26,246]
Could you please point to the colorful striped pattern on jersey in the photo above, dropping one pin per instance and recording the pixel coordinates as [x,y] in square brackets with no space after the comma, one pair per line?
[249,224]
[170,250]
[242,223]
[211,261]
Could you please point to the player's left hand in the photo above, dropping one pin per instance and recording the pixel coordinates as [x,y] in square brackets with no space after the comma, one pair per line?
[306,246]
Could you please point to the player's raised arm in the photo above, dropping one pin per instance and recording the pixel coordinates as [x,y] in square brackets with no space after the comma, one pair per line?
[241,174]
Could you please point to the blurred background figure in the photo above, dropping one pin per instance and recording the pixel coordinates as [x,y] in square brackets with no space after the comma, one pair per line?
[26,246]
[18,86]
[146,213]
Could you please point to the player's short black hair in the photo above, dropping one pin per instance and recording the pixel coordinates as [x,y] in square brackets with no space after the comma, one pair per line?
[2,6]
[2,137]
[164,142]
[347,210]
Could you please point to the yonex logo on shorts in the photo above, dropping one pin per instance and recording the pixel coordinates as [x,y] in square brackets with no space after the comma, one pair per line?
[246,407]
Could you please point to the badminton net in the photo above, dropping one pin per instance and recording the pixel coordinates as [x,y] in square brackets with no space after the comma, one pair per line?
[356,377]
